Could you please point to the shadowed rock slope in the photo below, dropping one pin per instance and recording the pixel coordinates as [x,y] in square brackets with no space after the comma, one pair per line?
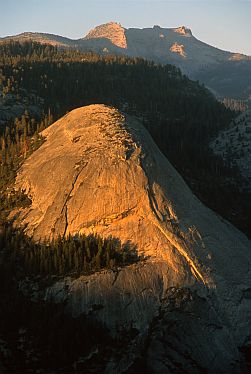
[99,171]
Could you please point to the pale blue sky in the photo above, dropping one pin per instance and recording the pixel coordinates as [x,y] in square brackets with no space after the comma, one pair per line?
[225,24]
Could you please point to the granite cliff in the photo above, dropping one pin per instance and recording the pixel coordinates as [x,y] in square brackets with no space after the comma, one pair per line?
[112,31]
[188,302]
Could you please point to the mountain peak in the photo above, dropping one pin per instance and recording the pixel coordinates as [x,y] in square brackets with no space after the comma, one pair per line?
[112,31]
[182,30]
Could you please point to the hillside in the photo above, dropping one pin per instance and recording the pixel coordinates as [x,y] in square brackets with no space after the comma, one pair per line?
[101,173]
[229,79]
[43,38]
[234,146]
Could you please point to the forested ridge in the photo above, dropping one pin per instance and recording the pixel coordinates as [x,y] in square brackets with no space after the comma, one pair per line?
[66,79]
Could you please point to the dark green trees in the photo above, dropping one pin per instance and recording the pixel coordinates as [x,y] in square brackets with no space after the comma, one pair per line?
[73,255]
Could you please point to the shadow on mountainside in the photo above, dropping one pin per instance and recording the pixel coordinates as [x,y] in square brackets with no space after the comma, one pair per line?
[72,256]
[35,334]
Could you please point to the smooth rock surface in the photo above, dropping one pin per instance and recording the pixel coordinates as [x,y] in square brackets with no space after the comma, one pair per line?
[100,172]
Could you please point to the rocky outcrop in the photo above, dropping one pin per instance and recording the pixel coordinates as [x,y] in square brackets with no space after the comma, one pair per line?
[178,48]
[99,171]
[112,31]
[183,31]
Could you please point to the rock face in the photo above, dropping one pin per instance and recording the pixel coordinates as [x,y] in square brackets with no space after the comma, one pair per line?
[99,171]
[178,48]
[183,31]
[159,43]
[112,31]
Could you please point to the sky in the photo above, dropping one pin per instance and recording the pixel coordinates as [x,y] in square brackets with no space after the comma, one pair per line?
[225,24]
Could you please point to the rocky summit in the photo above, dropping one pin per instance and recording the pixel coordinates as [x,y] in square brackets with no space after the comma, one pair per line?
[188,300]
[177,46]
[111,31]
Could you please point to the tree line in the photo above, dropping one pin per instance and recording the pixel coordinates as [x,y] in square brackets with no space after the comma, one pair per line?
[75,255]
[18,140]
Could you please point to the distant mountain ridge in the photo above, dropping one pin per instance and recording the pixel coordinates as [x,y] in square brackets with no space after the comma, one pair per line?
[175,46]
[163,44]
[43,38]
